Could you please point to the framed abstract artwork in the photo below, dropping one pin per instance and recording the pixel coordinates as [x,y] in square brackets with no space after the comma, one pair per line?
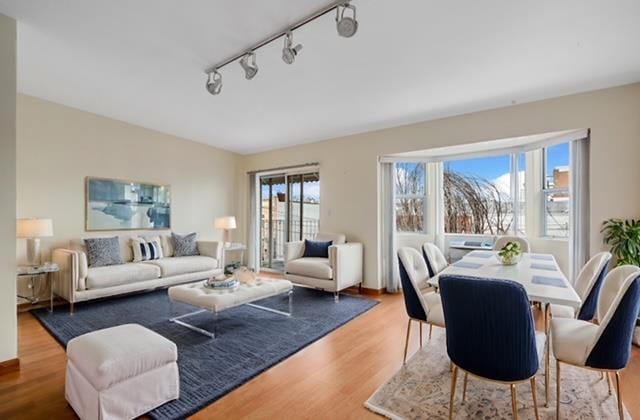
[112,204]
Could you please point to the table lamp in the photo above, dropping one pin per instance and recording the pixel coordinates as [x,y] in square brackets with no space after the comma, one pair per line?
[226,223]
[33,230]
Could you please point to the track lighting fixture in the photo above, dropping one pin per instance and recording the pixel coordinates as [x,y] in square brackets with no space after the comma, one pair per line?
[289,52]
[248,63]
[214,82]
[346,26]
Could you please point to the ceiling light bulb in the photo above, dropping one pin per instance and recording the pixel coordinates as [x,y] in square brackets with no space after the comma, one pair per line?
[248,63]
[346,26]
[289,53]
[214,82]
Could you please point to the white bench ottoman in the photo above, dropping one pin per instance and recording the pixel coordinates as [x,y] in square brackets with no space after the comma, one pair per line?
[216,301]
[120,372]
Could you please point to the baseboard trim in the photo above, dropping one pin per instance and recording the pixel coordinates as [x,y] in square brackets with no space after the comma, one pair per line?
[372,292]
[8,366]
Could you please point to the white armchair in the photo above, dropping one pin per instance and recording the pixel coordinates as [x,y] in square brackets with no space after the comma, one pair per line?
[342,269]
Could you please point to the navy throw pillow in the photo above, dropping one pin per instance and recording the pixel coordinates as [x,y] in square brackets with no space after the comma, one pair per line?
[316,249]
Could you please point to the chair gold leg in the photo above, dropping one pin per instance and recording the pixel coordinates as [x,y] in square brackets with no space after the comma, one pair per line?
[514,401]
[420,334]
[454,377]
[406,342]
[535,397]
[557,389]
[547,375]
[609,382]
[619,392]
[464,387]
[430,330]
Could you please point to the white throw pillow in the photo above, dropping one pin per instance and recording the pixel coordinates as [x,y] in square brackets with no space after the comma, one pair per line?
[146,249]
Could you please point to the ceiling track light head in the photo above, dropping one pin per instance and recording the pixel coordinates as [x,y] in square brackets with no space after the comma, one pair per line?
[347,26]
[214,82]
[289,52]
[248,64]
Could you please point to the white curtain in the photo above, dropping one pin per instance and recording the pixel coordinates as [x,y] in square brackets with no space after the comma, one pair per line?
[438,228]
[253,248]
[390,273]
[579,207]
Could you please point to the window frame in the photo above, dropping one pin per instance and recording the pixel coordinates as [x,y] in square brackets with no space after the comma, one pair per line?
[514,181]
[424,197]
[546,191]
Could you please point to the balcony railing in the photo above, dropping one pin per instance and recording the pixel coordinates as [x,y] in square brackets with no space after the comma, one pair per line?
[278,238]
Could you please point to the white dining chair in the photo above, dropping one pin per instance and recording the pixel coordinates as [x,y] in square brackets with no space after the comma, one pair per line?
[421,302]
[436,262]
[604,347]
[587,286]
[501,241]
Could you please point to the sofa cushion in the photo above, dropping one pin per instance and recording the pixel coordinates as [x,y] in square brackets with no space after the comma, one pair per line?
[184,245]
[115,275]
[311,267]
[103,251]
[109,356]
[316,249]
[175,266]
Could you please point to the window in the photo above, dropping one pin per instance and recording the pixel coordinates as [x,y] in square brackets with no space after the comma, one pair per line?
[555,191]
[521,207]
[411,196]
[478,195]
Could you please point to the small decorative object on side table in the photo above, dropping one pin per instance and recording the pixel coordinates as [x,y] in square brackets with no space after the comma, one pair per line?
[510,254]
[38,272]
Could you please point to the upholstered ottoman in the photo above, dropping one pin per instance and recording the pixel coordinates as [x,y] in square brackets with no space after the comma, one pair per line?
[120,372]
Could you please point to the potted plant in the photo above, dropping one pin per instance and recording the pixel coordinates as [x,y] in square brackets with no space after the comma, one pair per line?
[623,236]
[510,253]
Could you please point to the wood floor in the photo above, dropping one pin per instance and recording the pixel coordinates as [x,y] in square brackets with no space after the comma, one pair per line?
[329,379]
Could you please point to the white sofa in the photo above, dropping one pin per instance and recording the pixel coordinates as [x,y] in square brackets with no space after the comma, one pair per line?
[77,282]
[341,270]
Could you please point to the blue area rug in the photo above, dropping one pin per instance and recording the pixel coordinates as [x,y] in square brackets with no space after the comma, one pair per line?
[249,340]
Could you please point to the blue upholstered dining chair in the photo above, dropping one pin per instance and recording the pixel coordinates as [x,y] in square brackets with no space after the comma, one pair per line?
[587,285]
[605,347]
[436,262]
[421,301]
[490,333]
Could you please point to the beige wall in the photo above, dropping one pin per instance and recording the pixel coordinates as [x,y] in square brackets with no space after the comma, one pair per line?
[8,332]
[59,146]
[349,170]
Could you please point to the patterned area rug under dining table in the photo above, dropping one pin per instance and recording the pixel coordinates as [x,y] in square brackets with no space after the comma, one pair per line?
[421,390]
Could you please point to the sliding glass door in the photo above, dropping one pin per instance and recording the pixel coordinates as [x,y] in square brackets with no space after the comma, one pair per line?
[289,211]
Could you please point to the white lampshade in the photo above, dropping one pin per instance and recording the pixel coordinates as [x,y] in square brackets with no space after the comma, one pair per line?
[227,222]
[34,228]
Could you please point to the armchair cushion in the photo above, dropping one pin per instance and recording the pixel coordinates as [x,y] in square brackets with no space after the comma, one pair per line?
[311,267]
[316,249]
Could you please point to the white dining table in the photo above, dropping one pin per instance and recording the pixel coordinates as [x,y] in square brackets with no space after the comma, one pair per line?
[540,275]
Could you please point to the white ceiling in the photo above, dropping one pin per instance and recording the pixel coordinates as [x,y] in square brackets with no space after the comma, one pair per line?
[142,62]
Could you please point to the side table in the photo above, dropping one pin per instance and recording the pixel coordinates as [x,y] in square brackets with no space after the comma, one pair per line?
[38,273]
[232,247]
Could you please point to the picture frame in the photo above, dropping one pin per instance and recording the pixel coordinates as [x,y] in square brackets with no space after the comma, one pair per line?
[115,204]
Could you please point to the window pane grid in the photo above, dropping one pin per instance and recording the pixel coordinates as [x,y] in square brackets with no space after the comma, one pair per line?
[411,196]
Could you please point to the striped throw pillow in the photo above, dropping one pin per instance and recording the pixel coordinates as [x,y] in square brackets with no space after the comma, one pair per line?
[144,250]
